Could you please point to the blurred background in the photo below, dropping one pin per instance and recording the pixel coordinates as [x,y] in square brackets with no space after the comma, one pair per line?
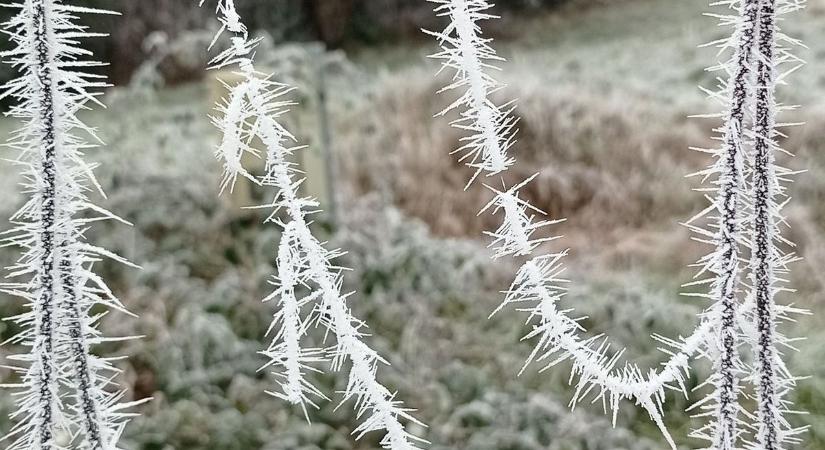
[605,89]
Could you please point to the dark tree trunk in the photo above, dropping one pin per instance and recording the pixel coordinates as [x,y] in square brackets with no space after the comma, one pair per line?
[331,19]
[141,18]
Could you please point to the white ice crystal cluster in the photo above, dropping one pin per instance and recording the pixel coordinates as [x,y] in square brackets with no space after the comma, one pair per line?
[308,284]
[490,127]
[66,396]
[742,221]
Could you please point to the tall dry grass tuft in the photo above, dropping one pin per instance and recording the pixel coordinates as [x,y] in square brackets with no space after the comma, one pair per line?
[608,161]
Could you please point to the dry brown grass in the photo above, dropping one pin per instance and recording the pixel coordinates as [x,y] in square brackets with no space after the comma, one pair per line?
[608,162]
[611,162]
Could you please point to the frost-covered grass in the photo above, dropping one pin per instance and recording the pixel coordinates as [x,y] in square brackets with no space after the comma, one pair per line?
[603,100]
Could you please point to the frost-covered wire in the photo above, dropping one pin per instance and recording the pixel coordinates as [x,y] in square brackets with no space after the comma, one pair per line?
[539,284]
[721,268]
[769,260]
[469,55]
[515,236]
[250,111]
[289,326]
[66,395]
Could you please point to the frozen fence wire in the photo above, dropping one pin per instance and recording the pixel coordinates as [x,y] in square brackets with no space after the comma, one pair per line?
[251,111]
[66,396]
[539,287]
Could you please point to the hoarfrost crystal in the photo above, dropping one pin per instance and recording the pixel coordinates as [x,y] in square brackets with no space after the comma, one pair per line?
[66,396]
[730,319]
[251,111]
